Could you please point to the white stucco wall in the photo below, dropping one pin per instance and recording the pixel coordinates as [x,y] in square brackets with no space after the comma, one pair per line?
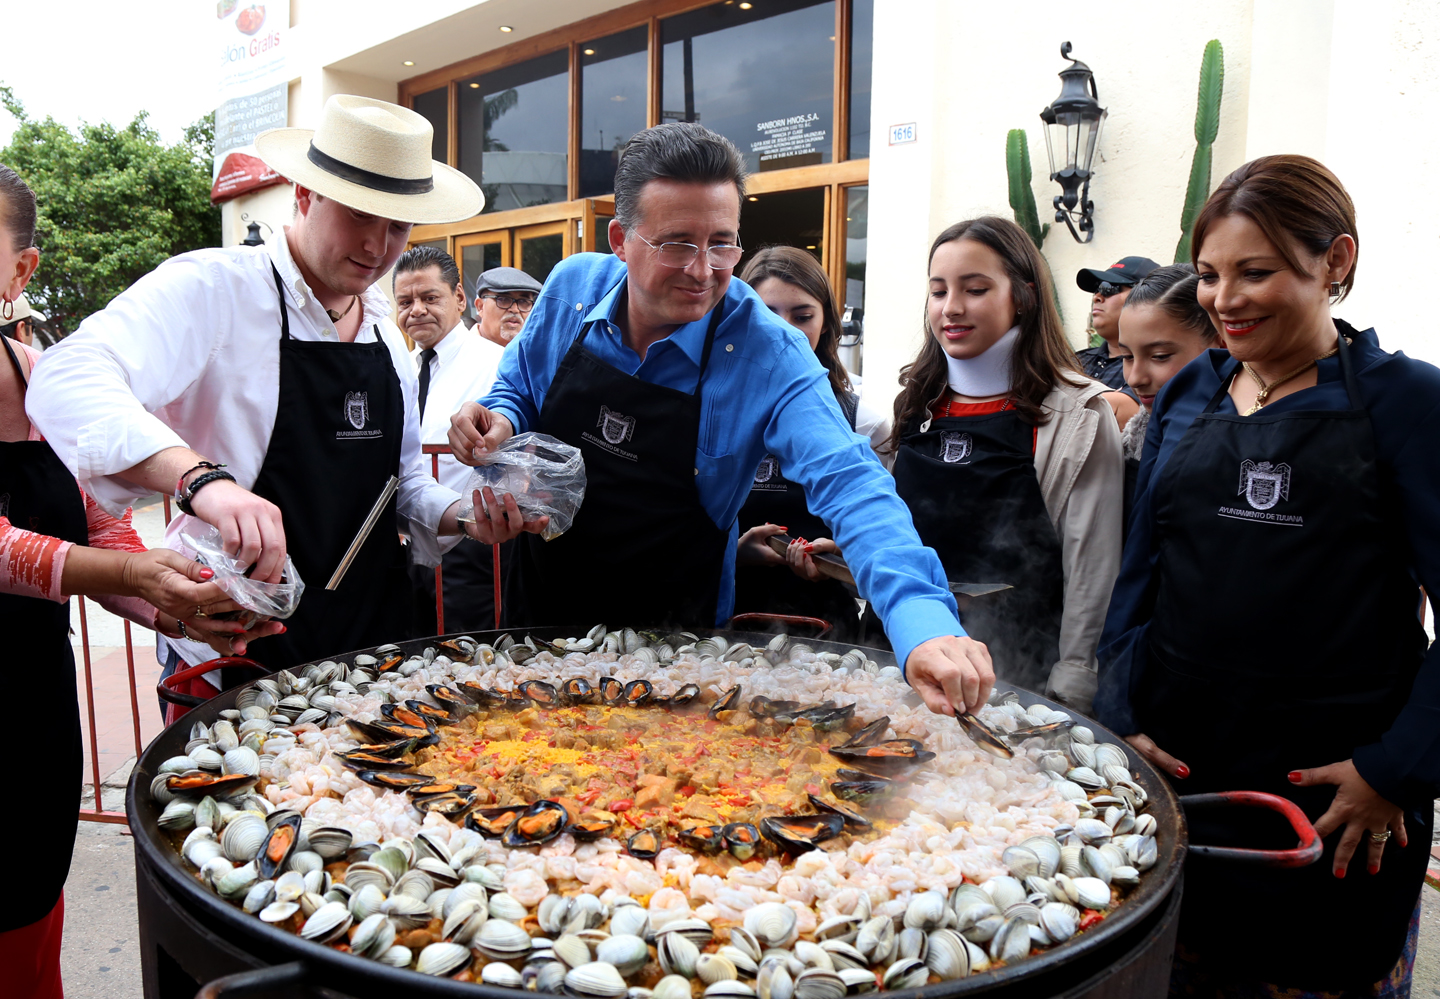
[967,74]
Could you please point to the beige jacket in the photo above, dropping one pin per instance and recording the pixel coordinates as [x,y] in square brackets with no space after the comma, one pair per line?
[1082,478]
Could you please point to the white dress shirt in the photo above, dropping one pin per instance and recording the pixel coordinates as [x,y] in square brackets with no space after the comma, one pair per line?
[461,371]
[189,356]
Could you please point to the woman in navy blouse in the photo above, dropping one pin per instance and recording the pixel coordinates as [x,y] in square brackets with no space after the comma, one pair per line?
[1263,633]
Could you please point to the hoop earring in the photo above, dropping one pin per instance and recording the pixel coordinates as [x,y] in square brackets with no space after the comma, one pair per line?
[1334,290]
[7,311]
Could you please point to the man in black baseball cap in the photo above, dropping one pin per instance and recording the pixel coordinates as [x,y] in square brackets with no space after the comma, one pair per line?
[1110,288]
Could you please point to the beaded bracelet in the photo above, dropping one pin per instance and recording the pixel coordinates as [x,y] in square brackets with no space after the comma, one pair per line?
[180,482]
[213,475]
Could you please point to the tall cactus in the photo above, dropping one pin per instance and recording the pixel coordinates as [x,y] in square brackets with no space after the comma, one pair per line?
[1207,126]
[1022,195]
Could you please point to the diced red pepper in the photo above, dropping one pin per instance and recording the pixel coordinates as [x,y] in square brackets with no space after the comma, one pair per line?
[635,821]
[1091,918]
[687,790]
[587,797]
[623,805]
[812,789]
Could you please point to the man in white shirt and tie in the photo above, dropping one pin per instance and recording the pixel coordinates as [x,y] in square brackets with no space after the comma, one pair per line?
[454,366]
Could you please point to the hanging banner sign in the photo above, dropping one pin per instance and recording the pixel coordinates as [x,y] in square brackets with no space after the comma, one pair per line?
[254,82]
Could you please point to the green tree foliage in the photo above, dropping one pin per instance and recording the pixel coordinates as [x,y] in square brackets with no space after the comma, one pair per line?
[113,205]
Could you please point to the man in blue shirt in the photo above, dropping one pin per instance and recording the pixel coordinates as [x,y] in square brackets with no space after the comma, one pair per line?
[674,381]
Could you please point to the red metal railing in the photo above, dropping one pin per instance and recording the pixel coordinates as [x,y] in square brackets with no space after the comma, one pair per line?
[97,812]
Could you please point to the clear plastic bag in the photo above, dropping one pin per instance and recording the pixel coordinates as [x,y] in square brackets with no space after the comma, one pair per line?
[546,477]
[261,600]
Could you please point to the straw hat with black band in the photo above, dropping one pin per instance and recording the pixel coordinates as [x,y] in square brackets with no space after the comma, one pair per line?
[373,157]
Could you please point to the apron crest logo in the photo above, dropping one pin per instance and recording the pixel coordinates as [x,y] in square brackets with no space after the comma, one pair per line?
[357,409]
[955,447]
[1264,484]
[615,427]
[768,467]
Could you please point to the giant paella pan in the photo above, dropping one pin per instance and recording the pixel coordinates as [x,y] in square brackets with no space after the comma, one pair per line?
[633,814]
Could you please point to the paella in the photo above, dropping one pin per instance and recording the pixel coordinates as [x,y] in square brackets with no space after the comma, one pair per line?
[634,814]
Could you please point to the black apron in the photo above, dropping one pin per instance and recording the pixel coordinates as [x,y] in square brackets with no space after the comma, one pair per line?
[336,442]
[1284,635]
[642,549]
[38,493]
[774,499]
[971,487]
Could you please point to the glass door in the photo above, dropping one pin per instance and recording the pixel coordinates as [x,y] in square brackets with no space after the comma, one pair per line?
[476,254]
[538,248]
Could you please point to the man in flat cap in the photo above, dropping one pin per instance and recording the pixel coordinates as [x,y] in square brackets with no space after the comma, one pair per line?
[267,388]
[504,297]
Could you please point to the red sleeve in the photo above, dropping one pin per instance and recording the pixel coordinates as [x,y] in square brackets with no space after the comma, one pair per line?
[31,565]
[107,532]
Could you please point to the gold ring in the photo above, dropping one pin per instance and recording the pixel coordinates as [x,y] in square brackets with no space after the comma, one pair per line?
[199,612]
[1380,837]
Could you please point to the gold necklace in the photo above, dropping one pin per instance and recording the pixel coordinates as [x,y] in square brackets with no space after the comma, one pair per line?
[1265,390]
[335,317]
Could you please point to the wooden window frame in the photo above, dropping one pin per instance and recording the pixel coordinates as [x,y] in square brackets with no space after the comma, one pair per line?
[840,173]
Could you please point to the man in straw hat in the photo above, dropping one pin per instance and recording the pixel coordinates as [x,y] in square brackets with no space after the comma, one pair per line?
[267,389]
[20,325]
[674,381]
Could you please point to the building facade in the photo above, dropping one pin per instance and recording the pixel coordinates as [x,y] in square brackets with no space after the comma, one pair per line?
[533,99]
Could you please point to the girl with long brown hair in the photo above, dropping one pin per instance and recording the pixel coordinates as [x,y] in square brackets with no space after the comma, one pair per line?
[795,287]
[1009,459]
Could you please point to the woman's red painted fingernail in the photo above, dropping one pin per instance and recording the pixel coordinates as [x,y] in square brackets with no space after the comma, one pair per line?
[1295,778]
[782,527]
[1339,872]
[206,573]
[283,629]
[1182,771]
[809,549]
[1374,868]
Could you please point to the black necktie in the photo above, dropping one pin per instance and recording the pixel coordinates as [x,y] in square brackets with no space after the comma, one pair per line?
[426,356]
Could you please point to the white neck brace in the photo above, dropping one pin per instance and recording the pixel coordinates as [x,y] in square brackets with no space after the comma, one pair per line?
[988,374]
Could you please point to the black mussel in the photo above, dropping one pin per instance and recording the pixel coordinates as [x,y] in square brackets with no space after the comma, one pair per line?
[429,740]
[389,750]
[853,819]
[685,695]
[539,692]
[438,787]
[707,839]
[801,833]
[493,821]
[824,719]
[644,845]
[845,773]
[481,696]
[984,736]
[1052,728]
[278,845]
[357,760]
[862,791]
[198,785]
[741,839]
[393,780]
[759,706]
[894,756]
[869,735]
[728,702]
[637,692]
[453,701]
[656,701]
[588,828]
[451,805]
[386,731]
[432,714]
[612,691]
[400,714]
[576,691]
[456,651]
[539,824]
[389,664]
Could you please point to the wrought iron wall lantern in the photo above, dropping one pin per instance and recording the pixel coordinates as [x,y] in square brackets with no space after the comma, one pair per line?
[1072,133]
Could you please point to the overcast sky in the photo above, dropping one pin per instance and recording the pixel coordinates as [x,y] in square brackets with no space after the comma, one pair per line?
[81,59]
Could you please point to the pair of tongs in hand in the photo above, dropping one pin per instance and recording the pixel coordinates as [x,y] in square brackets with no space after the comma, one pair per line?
[835,567]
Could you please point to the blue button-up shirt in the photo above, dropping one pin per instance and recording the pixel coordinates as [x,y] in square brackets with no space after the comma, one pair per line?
[764,392]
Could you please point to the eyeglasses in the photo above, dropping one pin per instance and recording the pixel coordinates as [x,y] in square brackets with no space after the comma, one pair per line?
[720,257]
[506,302]
[1107,289]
